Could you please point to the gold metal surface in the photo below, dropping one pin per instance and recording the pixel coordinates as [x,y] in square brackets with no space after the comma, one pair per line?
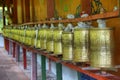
[57,37]
[43,38]
[101,47]
[81,45]
[67,45]
[38,45]
[50,42]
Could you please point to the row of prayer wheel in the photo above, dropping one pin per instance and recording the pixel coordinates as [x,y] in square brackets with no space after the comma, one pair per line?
[94,45]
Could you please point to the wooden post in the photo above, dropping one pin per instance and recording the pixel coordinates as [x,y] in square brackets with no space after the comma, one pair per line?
[15,20]
[14,45]
[10,48]
[24,58]
[34,66]
[43,67]
[59,71]
[3,10]
[17,52]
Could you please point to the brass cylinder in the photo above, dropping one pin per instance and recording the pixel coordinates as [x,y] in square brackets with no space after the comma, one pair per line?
[33,33]
[57,37]
[81,45]
[38,39]
[43,39]
[49,45]
[101,47]
[67,46]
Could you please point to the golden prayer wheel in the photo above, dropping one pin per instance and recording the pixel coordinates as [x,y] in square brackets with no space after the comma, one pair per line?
[57,37]
[28,37]
[50,42]
[38,39]
[81,45]
[43,39]
[67,45]
[33,33]
[101,47]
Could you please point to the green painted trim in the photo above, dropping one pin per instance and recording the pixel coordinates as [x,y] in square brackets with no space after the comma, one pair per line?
[43,67]
[59,71]
[79,76]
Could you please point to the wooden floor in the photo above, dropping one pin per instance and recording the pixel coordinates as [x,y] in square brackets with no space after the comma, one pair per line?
[9,70]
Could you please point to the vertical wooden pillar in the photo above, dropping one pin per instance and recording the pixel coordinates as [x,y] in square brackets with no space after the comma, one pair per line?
[59,71]
[6,44]
[34,66]
[24,59]
[8,5]
[15,20]
[26,10]
[50,8]
[43,67]
[86,6]
[17,52]
[3,10]
[10,48]
[32,11]
[14,45]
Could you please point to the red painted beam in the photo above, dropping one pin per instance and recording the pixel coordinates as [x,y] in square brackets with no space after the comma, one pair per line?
[24,58]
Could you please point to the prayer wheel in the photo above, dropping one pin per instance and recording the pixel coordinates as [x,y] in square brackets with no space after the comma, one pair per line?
[43,38]
[101,47]
[57,37]
[67,46]
[81,45]
[50,42]
[38,39]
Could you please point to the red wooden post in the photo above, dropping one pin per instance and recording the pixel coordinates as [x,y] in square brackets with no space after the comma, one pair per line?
[34,66]
[14,45]
[17,52]
[24,58]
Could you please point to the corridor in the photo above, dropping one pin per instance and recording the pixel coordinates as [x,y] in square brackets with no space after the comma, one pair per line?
[9,70]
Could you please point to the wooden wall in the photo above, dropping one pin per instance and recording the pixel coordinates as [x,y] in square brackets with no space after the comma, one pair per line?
[40,7]
[19,11]
[64,7]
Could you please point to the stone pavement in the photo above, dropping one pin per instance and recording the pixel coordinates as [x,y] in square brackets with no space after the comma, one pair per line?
[9,70]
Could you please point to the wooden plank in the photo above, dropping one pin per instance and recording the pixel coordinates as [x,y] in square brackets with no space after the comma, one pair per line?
[27,10]
[86,6]
[50,8]
[15,21]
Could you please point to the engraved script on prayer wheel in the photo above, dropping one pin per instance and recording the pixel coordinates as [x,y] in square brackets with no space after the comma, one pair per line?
[43,39]
[67,45]
[49,45]
[38,39]
[101,47]
[81,44]
[57,41]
